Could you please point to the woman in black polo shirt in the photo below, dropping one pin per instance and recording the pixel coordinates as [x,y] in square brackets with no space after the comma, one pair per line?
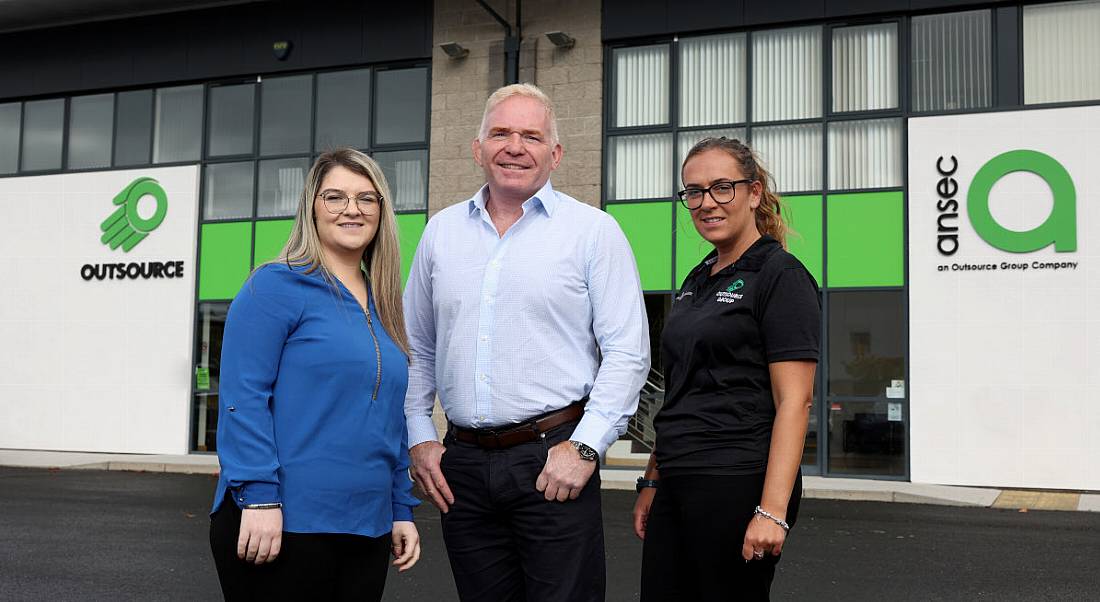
[739,349]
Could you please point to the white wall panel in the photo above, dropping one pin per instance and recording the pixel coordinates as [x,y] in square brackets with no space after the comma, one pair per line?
[100,365]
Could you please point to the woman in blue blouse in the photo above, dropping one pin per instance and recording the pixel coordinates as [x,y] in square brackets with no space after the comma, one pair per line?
[314,492]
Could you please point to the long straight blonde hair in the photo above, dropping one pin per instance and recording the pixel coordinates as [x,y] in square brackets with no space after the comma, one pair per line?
[382,257]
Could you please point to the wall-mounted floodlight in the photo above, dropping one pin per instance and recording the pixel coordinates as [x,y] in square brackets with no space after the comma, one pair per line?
[454,50]
[561,39]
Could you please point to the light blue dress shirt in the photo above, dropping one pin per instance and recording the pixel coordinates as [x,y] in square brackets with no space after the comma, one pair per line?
[505,328]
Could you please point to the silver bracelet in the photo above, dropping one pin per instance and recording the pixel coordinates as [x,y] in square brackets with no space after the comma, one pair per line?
[263,506]
[772,517]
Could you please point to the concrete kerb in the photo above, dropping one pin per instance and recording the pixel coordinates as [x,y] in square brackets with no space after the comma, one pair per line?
[612,478]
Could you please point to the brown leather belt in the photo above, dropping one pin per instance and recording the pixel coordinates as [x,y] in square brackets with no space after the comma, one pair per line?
[524,432]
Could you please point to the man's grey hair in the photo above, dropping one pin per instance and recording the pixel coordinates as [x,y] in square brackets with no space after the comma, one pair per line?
[528,90]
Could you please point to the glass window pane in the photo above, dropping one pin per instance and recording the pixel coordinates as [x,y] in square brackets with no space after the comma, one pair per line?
[712,80]
[786,77]
[228,191]
[640,167]
[1061,52]
[229,129]
[178,132]
[135,123]
[211,325]
[43,124]
[407,174]
[864,154]
[91,119]
[281,184]
[791,154]
[866,342]
[809,449]
[286,109]
[10,116]
[951,61]
[343,109]
[402,114]
[686,140]
[865,67]
[640,85]
[867,438]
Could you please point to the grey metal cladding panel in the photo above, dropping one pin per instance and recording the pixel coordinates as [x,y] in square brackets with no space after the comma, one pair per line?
[216,42]
[921,5]
[853,8]
[705,14]
[384,40]
[633,18]
[762,12]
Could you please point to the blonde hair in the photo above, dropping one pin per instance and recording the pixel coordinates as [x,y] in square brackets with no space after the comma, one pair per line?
[382,257]
[768,214]
[527,90]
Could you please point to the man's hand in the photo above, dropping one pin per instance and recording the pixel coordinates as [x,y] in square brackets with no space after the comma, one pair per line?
[261,535]
[565,473]
[427,475]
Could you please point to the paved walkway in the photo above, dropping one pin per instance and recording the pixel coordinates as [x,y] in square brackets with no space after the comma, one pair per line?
[613,478]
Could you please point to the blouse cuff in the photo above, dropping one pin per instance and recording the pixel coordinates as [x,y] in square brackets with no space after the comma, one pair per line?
[256,493]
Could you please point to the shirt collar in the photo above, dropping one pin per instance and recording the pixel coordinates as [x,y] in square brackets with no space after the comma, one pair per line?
[751,260]
[544,197]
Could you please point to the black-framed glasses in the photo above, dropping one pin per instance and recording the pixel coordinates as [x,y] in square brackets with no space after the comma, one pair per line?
[721,192]
[336,201]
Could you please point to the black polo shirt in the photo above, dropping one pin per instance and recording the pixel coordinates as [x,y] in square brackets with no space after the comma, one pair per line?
[719,337]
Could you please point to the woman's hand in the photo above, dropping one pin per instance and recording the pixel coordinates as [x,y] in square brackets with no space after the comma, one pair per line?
[406,545]
[641,510]
[762,537]
[261,535]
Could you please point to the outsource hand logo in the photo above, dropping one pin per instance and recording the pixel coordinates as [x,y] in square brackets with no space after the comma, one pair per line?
[125,227]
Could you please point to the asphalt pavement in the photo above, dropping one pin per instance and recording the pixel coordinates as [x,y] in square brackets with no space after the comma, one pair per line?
[98,535]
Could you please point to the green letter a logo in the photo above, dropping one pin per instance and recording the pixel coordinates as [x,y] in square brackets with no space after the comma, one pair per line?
[1060,226]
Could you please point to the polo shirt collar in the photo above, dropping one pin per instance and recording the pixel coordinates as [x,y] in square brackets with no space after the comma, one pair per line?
[544,197]
[751,260]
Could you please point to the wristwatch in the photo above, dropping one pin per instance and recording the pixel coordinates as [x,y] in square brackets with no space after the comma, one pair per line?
[586,452]
[644,482]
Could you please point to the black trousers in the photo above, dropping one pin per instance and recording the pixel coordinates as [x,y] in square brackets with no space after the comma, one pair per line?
[310,566]
[693,539]
[506,543]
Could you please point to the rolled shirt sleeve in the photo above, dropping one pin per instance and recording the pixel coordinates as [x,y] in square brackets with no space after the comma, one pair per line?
[260,319]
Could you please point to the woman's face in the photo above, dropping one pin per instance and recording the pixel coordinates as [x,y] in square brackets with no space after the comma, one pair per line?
[348,232]
[722,225]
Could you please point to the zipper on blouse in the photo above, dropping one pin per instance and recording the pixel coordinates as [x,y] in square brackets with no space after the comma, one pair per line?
[377,353]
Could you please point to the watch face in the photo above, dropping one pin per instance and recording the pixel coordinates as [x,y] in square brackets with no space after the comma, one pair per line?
[586,452]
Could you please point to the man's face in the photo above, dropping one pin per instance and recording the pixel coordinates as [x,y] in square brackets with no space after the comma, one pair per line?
[517,155]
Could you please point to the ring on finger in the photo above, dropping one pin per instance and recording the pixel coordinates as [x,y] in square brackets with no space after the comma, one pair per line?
[758,553]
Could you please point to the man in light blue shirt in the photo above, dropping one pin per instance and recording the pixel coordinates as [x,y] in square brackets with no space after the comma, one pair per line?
[525,316]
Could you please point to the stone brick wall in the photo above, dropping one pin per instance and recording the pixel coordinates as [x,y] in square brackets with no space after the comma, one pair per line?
[572,77]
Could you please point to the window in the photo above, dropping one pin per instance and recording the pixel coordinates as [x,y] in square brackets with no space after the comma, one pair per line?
[712,80]
[177,134]
[641,85]
[639,167]
[286,110]
[281,184]
[866,342]
[865,154]
[407,174]
[211,327]
[228,191]
[951,64]
[865,67]
[402,113]
[133,137]
[229,131]
[43,125]
[343,109]
[867,437]
[792,153]
[786,74]
[91,120]
[10,116]
[1061,52]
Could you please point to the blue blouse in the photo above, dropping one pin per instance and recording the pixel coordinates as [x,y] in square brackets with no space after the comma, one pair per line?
[303,417]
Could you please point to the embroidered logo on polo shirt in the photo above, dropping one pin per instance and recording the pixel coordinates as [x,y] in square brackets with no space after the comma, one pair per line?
[728,296]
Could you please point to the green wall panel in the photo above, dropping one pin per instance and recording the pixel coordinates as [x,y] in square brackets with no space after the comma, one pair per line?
[648,227]
[410,227]
[805,237]
[271,237]
[224,256]
[865,239]
[690,247]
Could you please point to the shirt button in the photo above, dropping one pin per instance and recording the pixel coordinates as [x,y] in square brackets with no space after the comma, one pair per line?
[484,377]
[484,337]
